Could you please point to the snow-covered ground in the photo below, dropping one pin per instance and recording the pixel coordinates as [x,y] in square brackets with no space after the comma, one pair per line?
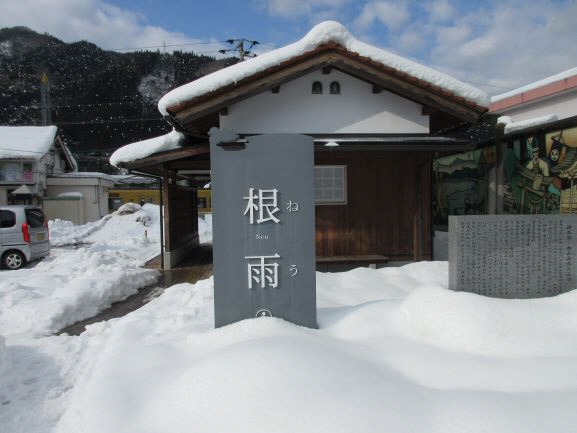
[90,267]
[395,351]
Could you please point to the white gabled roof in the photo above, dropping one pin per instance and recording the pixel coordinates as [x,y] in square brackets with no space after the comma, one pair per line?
[324,33]
[27,142]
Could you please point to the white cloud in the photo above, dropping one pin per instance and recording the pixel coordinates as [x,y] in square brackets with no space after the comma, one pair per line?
[453,35]
[411,41]
[299,8]
[496,45]
[511,44]
[99,22]
[392,14]
[440,10]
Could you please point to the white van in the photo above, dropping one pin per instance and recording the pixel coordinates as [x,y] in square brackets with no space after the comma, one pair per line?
[23,235]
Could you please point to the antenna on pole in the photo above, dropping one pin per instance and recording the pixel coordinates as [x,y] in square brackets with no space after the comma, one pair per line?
[45,100]
[239,45]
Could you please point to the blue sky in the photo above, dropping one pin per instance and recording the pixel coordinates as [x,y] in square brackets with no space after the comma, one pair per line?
[494,45]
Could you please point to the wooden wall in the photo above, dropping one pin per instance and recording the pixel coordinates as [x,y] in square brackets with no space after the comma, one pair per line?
[180,215]
[387,210]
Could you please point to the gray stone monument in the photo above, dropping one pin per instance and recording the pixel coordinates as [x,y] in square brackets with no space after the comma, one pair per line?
[513,256]
[263,227]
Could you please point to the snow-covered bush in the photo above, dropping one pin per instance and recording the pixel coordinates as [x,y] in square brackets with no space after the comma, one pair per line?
[128,208]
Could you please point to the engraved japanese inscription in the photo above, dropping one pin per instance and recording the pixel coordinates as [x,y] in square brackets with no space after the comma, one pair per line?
[263,229]
[513,256]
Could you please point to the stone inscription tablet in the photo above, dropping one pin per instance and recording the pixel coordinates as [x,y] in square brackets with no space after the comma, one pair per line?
[513,256]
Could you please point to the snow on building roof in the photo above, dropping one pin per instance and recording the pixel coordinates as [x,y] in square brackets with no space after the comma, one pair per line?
[85,174]
[131,178]
[538,89]
[142,149]
[512,126]
[28,142]
[324,33]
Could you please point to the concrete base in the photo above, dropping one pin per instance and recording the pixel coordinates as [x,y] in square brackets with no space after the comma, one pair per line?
[174,257]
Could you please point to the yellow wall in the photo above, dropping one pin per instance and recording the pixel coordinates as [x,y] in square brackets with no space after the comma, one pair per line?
[121,196]
[117,197]
[204,198]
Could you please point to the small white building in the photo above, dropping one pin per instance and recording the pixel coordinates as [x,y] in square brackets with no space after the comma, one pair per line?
[79,197]
[544,101]
[36,167]
[28,156]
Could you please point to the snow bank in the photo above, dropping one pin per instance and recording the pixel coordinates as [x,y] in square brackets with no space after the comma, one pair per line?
[74,284]
[395,351]
[68,286]
[5,363]
[323,33]
[401,355]
[118,227]
[205,229]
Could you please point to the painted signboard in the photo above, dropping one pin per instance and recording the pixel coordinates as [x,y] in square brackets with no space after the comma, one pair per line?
[540,177]
[263,228]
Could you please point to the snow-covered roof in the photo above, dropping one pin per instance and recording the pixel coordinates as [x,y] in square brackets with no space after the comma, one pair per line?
[85,174]
[512,126]
[70,194]
[27,142]
[142,149]
[322,34]
[562,76]
[131,178]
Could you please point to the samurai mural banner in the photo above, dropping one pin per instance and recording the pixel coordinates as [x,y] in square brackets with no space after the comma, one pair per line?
[460,184]
[541,173]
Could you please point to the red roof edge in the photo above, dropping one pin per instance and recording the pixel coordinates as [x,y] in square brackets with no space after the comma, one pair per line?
[534,94]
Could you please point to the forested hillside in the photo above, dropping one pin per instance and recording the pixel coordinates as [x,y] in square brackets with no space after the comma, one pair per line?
[99,99]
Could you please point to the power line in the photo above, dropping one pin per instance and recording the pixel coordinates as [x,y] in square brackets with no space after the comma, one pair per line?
[92,122]
[239,46]
[22,150]
[164,46]
[60,107]
[184,45]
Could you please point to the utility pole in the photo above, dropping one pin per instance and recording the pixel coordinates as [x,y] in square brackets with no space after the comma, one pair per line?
[239,45]
[45,100]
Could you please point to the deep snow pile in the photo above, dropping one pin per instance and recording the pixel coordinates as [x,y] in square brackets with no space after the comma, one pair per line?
[76,283]
[395,351]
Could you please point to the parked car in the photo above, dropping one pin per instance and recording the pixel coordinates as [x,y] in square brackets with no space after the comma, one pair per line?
[24,235]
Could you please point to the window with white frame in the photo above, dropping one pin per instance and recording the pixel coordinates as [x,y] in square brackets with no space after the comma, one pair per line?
[330,184]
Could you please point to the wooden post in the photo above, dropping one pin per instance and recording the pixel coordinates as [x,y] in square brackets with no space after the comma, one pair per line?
[500,168]
[166,178]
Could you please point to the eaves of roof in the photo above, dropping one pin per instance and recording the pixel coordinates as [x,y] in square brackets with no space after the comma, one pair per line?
[186,114]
